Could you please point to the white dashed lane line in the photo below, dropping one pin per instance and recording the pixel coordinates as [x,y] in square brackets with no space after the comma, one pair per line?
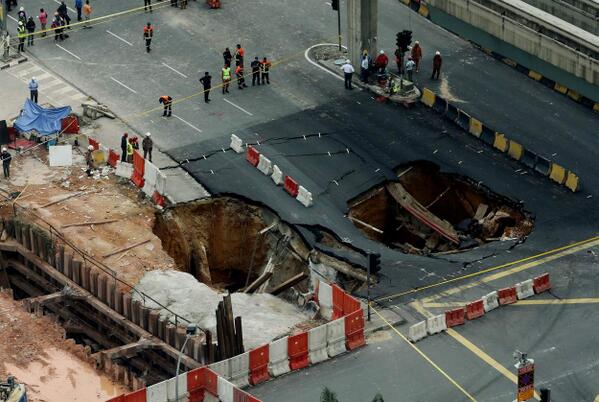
[188,123]
[238,107]
[119,38]
[69,52]
[172,69]
[123,85]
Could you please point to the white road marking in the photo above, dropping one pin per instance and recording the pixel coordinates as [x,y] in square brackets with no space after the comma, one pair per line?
[26,72]
[188,123]
[71,9]
[43,76]
[180,73]
[71,53]
[52,83]
[123,85]
[64,90]
[238,107]
[119,38]
[12,18]
[318,65]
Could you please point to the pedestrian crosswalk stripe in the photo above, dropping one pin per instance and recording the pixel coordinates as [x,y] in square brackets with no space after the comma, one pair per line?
[79,95]
[26,72]
[64,90]
[52,83]
[43,76]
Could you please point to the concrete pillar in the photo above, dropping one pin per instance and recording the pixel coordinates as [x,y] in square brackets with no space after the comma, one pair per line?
[102,283]
[171,335]
[153,316]
[68,258]
[76,268]
[110,295]
[127,306]
[135,311]
[118,301]
[362,22]
[93,283]
[162,329]
[85,271]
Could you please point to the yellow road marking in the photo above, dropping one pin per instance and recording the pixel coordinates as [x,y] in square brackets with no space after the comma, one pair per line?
[581,245]
[532,302]
[425,357]
[485,357]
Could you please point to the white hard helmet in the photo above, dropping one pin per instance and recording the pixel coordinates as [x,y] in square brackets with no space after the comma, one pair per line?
[438,53]
[347,61]
[416,43]
[91,147]
[382,52]
[32,78]
[21,9]
[4,149]
[148,134]
[20,23]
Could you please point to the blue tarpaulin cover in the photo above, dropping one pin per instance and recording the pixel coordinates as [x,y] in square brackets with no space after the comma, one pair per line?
[44,121]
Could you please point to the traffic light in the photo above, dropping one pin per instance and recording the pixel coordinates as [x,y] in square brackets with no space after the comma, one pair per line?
[403,40]
[335,5]
[374,262]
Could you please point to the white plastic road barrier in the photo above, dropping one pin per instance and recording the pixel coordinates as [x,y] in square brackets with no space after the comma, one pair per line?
[236,144]
[240,369]
[222,368]
[148,189]
[277,175]
[325,300]
[124,169]
[265,165]
[225,390]
[524,289]
[161,183]
[317,344]
[417,331]
[150,172]
[490,301]
[170,388]
[157,392]
[305,197]
[336,337]
[278,363]
[436,324]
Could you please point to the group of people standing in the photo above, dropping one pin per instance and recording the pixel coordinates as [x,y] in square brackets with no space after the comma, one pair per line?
[260,69]
[26,26]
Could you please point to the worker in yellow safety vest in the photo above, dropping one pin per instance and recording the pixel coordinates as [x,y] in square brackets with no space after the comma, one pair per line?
[226,76]
[21,35]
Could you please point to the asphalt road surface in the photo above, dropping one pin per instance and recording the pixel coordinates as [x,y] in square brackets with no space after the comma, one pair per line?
[361,144]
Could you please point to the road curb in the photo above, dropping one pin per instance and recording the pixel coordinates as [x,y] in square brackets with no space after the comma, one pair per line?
[13,63]
[421,8]
[500,142]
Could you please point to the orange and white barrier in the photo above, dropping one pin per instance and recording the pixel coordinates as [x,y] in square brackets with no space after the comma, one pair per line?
[304,197]
[436,324]
[336,337]
[264,165]
[491,301]
[240,370]
[277,175]
[236,144]
[417,331]
[124,169]
[278,363]
[325,300]
[525,289]
[317,344]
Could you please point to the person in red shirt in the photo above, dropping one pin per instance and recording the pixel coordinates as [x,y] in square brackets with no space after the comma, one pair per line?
[437,62]
[417,54]
[381,62]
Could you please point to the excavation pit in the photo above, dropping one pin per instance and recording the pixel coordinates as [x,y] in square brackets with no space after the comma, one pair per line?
[429,211]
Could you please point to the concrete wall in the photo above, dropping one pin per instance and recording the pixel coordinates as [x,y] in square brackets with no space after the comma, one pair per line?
[519,36]
[585,16]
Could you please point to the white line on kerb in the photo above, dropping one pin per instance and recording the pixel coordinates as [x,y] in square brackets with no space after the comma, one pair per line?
[119,38]
[123,85]
[178,72]
[188,123]
[238,107]
[69,52]
[318,65]
[73,10]
[12,18]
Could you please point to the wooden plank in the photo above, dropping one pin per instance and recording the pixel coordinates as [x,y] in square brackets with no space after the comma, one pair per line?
[89,223]
[239,349]
[230,324]
[366,225]
[259,281]
[294,280]
[126,248]
[410,204]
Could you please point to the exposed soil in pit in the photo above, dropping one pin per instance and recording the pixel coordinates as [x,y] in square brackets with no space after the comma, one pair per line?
[227,243]
[429,211]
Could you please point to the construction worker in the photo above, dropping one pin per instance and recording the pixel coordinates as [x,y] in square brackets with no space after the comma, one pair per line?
[33,87]
[264,69]
[64,13]
[437,62]
[148,34]
[30,26]
[226,77]
[22,16]
[206,81]
[124,142]
[227,56]
[239,55]
[410,67]
[89,160]
[381,62]
[130,151]
[255,71]
[167,101]
[21,35]
[147,144]
[417,55]
[6,159]
[240,78]
[399,60]
[87,12]
[147,3]
[364,66]
[348,72]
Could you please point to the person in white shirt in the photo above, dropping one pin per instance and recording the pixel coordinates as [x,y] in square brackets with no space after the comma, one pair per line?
[348,71]
[365,67]
[410,65]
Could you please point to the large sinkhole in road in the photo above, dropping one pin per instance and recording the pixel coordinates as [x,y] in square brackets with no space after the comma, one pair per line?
[429,211]
[228,243]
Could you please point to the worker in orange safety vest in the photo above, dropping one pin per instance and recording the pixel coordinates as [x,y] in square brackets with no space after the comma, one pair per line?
[148,34]
[167,101]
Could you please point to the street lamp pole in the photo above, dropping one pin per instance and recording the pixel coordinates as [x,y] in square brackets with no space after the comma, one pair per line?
[191,331]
